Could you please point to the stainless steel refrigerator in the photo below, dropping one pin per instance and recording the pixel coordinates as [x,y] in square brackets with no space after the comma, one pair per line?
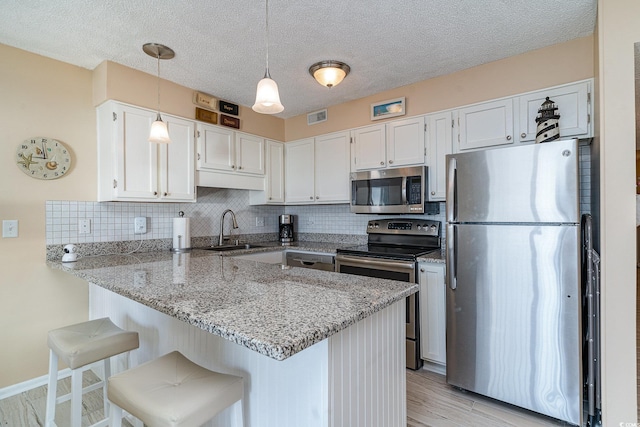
[513,276]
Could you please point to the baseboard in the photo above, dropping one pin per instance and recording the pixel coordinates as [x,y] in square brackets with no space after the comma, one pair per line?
[435,367]
[15,389]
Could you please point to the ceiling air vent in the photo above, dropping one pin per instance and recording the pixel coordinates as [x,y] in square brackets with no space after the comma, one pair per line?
[317,117]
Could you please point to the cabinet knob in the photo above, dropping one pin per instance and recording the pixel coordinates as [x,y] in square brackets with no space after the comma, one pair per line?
[433,193]
[155,193]
[233,166]
[311,198]
[390,161]
[422,270]
[523,135]
[239,167]
[508,137]
[165,194]
[317,197]
[381,163]
[198,156]
[270,198]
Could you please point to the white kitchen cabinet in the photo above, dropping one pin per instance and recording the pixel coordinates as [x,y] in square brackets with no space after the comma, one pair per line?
[225,150]
[485,125]
[273,192]
[130,168]
[432,312]
[299,171]
[574,107]
[394,144]
[331,167]
[317,169]
[439,144]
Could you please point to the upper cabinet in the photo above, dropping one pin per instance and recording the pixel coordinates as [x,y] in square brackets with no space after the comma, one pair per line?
[225,150]
[574,107]
[439,144]
[130,168]
[274,185]
[317,169]
[394,144]
[485,125]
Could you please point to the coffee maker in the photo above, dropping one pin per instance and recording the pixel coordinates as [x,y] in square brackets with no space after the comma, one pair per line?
[285,229]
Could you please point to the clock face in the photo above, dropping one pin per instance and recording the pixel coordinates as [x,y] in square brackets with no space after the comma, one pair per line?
[43,158]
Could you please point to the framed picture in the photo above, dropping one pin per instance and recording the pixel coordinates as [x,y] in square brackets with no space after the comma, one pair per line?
[385,109]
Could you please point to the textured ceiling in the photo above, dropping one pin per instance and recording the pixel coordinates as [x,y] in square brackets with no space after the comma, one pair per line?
[220,45]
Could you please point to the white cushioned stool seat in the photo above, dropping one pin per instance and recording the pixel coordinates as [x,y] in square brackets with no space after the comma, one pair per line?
[79,346]
[173,391]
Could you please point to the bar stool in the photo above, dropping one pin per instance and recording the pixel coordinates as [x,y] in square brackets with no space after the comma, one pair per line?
[79,346]
[173,391]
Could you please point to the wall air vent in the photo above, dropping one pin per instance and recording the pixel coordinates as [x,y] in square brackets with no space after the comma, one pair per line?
[317,117]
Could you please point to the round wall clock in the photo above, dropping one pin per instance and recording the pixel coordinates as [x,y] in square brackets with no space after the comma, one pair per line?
[43,158]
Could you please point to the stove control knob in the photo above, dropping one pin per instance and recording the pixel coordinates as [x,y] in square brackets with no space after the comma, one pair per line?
[419,227]
[370,225]
[433,228]
[377,225]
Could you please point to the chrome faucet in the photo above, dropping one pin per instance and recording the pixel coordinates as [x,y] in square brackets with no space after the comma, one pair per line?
[235,225]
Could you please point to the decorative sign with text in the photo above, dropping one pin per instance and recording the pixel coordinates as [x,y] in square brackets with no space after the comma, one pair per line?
[206,116]
[228,108]
[232,122]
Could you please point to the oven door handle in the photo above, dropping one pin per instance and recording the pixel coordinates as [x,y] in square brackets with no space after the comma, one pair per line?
[377,262]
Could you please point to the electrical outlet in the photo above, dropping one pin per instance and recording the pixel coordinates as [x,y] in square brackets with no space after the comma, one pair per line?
[259,221]
[311,220]
[140,225]
[84,226]
[10,228]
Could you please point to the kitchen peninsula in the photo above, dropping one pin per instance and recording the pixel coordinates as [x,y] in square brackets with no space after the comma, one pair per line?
[315,348]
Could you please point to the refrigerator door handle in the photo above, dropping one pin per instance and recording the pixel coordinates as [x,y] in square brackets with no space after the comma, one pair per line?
[451,256]
[451,190]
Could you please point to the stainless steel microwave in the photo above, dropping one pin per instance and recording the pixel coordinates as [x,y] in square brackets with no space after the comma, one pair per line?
[387,191]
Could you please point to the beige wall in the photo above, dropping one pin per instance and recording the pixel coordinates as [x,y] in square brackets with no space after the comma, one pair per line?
[40,97]
[115,81]
[554,65]
[618,30]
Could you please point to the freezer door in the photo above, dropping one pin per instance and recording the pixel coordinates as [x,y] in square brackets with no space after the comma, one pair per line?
[513,319]
[530,183]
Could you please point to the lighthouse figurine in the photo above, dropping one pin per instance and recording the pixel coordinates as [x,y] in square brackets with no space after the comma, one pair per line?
[548,122]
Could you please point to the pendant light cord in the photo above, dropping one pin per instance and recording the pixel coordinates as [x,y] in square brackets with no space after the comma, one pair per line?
[266,38]
[158,56]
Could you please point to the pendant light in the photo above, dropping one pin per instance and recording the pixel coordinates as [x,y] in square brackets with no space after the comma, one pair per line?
[159,133]
[267,96]
[329,73]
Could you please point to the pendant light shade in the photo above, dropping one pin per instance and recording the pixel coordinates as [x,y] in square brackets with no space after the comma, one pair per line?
[159,133]
[267,96]
[329,73]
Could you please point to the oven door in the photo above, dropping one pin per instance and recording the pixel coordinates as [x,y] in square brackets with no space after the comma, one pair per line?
[404,271]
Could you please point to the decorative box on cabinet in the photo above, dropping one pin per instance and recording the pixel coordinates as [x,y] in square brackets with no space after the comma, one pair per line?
[439,144]
[574,107]
[485,125]
[274,185]
[229,159]
[432,312]
[130,168]
[395,144]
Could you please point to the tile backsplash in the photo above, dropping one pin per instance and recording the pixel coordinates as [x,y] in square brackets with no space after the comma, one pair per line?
[113,221]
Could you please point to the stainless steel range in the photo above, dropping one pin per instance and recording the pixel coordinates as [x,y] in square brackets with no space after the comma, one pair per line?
[391,253]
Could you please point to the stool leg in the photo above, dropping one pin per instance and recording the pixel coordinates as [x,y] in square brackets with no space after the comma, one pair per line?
[76,397]
[52,389]
[115,416]
[107,374]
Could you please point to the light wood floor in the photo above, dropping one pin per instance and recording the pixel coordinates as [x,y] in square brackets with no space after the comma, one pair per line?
[430,402]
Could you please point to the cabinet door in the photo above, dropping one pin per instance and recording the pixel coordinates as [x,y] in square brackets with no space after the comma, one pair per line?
[249,153]
[405,142]
[275,172]
[439,144]
[432,312]
[486,125]
[177,172]
[370,148]
[298,171]
[136,157]
[332,165]
[215,148]
[573,102]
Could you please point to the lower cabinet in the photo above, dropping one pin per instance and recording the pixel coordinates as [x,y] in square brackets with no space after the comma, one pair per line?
[432,312]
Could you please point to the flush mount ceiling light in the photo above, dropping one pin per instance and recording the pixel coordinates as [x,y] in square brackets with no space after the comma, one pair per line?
[267,96]
[159,132]
[329,73]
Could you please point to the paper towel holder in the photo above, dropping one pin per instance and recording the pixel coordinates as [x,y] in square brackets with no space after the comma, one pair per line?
[181,242]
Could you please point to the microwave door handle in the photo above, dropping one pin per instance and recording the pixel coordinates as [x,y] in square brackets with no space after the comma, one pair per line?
[404,190]
[451,262]
[451,200]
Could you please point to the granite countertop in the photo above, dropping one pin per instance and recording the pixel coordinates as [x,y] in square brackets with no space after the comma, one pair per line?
[439,257]
[274,311]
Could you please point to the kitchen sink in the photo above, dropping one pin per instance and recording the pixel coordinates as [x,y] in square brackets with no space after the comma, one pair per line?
[223,248]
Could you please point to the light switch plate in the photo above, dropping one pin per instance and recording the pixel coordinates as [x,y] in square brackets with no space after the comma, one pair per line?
[84,226]
[10,228]
[259,221]
[140,225]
